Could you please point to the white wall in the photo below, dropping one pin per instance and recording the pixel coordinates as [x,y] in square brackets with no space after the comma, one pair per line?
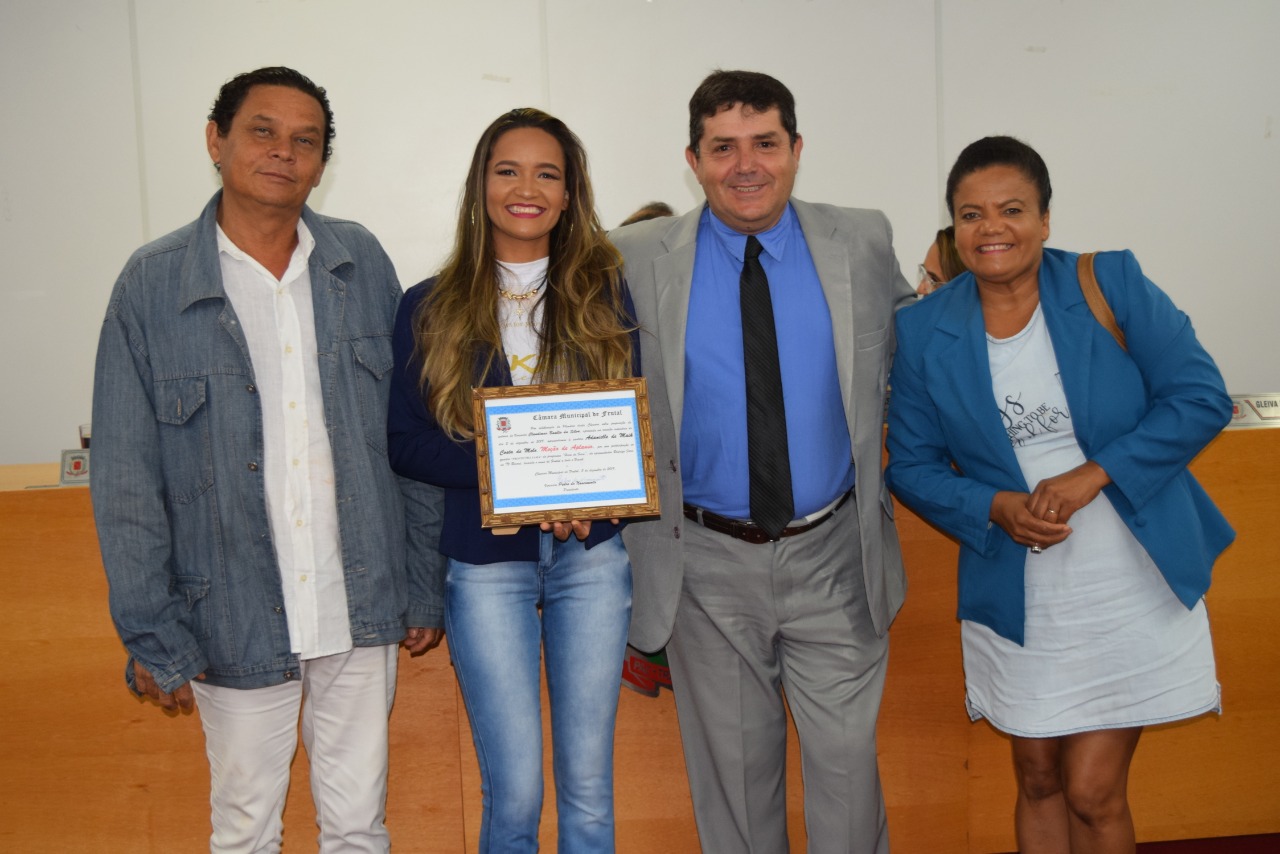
[1159,120]
[1155,117]
[70,206]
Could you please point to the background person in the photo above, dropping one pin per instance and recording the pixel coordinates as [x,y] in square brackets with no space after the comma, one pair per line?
[532,292]
[240,581]
[1058,459]
[941,263]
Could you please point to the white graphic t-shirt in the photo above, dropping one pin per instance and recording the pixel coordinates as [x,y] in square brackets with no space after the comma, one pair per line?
[1032,406]
[520,319]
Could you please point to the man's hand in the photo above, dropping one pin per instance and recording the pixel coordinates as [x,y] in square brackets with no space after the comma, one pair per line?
[183,699]
[418,640]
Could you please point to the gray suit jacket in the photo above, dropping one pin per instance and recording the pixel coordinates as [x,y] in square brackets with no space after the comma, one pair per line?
[853,252]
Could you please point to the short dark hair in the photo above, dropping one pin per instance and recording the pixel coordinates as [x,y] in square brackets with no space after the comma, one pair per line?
[1000,151]
[722,89]
[232,94]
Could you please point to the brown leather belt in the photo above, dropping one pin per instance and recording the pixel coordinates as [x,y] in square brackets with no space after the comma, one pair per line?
[751,533]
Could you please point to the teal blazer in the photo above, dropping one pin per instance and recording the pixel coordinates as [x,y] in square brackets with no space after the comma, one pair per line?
[1142,415]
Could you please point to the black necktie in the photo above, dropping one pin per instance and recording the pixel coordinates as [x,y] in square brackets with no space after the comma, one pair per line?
[770,468]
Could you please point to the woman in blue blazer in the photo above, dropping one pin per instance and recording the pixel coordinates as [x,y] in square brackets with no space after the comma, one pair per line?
[532,293]
[1058,459]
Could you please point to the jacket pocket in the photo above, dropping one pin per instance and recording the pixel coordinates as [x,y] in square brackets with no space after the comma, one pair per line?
[872,339]
[871,369]
[374,361]
[886,502]
[195,594]
[184,437]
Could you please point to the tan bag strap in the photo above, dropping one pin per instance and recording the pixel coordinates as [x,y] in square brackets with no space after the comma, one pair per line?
[1097,302]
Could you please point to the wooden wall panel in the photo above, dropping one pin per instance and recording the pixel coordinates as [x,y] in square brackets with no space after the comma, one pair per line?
[85,766]
[1212,776]
[923,734]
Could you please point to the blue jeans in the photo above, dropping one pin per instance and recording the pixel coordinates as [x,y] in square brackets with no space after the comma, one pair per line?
[496,635]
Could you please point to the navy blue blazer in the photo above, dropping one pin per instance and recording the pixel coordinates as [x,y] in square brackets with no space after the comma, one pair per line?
[417,448]
[1142,415]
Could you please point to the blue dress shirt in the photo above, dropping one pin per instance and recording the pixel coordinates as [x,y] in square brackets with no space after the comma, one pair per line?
[713,435]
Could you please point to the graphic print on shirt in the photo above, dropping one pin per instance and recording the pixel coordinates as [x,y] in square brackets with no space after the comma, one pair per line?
[522,288]
[523,367]
[1024,421]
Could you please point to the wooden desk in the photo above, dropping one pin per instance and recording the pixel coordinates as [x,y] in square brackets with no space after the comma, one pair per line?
[28,476]
[85,766]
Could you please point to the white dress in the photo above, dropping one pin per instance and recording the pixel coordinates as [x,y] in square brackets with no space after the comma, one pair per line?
[1107,643]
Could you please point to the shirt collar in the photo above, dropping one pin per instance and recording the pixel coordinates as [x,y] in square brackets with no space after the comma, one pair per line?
[774,240]
[301,252]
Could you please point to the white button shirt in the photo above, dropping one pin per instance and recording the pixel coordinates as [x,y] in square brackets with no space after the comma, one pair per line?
[279,327]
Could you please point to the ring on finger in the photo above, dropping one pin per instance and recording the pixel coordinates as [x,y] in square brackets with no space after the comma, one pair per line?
[1036,549]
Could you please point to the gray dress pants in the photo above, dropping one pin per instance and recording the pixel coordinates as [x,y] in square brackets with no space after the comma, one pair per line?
[757,626]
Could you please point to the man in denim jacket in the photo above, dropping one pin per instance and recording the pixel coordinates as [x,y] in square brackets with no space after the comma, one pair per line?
[264,562]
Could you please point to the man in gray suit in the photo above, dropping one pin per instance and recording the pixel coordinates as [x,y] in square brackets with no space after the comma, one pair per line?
[775,565]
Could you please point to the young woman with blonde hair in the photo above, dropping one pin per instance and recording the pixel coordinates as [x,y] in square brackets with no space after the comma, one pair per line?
[532,292]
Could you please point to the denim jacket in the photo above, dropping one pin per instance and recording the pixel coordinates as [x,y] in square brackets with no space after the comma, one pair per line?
[178,492]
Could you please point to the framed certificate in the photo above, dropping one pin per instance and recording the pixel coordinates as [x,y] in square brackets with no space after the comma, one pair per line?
[560,451]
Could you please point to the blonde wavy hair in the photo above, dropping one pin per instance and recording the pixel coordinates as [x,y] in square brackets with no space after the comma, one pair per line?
[585,332]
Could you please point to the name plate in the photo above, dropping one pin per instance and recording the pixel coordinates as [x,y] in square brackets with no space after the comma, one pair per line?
[560,451]
[1255,410]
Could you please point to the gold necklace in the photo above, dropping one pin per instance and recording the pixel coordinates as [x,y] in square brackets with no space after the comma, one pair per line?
[520,298]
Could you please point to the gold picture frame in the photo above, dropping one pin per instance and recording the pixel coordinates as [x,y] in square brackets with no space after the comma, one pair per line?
[558,451]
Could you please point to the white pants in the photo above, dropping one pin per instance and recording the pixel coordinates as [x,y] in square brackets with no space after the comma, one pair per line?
[251,737]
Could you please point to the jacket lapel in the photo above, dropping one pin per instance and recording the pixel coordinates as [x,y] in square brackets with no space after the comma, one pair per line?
[958,353]
[673,280]
[1071,329]
[328,288]
[831,260]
